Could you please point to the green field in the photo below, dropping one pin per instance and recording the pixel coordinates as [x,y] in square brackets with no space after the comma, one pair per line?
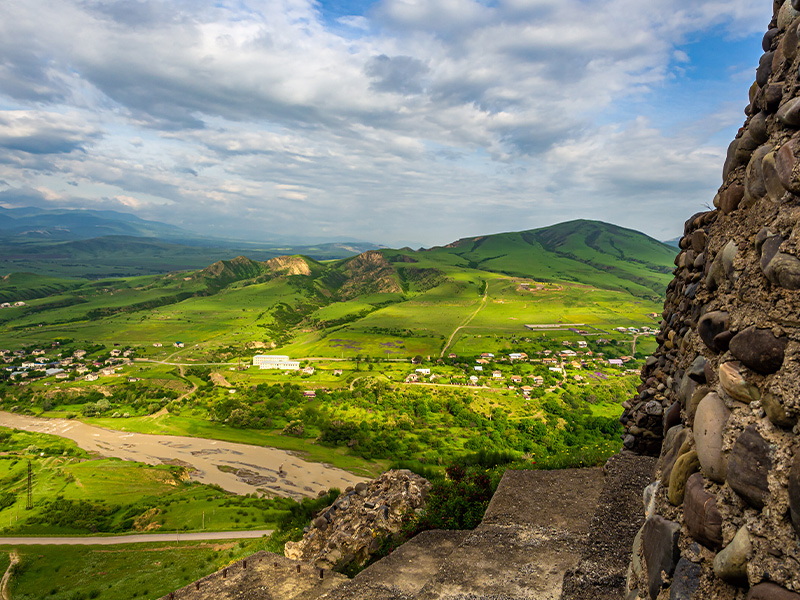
[119,572]
[388,304]
[67,483]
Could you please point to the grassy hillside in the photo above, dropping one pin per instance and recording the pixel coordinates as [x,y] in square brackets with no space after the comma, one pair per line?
[386,303]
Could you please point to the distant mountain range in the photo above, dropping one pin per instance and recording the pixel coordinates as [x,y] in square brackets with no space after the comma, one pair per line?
[105,243]
[575,272]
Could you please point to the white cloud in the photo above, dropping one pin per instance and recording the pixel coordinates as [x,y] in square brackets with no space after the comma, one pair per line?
[205,111]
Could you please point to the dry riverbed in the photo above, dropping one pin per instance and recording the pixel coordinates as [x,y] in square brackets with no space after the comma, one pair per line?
[238,468]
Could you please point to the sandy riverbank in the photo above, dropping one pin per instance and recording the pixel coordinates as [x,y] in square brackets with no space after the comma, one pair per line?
[238,468]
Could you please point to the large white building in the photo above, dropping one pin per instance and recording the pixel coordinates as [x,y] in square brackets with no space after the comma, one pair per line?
[275,361]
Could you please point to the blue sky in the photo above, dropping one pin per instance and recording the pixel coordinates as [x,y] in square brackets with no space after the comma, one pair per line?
[394,121]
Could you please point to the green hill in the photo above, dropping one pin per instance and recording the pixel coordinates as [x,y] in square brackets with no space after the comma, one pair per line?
[381,302]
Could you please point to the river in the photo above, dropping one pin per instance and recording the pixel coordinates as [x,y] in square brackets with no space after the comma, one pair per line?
[237,468]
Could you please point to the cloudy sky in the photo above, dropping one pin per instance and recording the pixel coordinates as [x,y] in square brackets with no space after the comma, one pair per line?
[390,121]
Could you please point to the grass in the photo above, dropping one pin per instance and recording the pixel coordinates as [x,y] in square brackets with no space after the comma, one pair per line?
[132,490]
[122,572]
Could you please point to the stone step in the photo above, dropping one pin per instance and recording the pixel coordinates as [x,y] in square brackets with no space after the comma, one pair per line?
[403,573]
[602,570]
[534,531]
[261,576]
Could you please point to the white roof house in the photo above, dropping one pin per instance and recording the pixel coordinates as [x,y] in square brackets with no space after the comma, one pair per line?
[275,361]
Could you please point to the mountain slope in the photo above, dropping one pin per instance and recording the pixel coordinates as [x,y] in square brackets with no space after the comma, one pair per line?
[590,252]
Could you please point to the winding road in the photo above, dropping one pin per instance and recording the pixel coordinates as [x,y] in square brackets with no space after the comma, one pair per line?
[468,320]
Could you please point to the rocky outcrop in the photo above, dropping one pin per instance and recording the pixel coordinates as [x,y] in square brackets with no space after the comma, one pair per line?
[355,526]
[289,265]
[720,399]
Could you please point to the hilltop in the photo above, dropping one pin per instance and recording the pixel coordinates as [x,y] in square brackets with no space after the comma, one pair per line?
[415,301]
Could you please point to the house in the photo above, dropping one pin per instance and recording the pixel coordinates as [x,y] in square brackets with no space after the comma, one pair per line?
[478,368]
[79,353]
[516,379]
[482,361]
[497,375]
[566,343]
[337,372]
[107,371]
[115,352]
[615,362]
[452,355]
[308,370]
[487,355]
[275,361]
[412,378]
[179,344]
[538,380]
[473,380]
[309,394]
[582,344]
[423,371]
[157,345]
[517,356]
[567,353]
[556,369]
[91,377]
[38,353]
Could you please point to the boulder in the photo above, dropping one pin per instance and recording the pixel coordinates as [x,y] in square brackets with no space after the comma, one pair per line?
[789,113]
[671,449]
[735,385]
[794,492]
[730,563]
[770,591]
[759,349]
[660,549]
[785,165]
[775,189]
[731,197]
[749,464]
[701,516]
[710,327]
[364,518]
[686,464]
[685,581]
[709,424]
[773,406]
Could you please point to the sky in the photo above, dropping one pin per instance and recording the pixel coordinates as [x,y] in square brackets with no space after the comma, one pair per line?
[391,121]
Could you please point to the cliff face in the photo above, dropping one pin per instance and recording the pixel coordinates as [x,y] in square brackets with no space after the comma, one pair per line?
[720,399]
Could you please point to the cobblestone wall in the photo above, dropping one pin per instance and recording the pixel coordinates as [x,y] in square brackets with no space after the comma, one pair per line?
[720,399]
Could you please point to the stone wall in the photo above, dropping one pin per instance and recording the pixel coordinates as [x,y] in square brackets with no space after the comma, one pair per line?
[720,399]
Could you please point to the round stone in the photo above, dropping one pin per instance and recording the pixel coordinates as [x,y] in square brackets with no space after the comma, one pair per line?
[709,423]
[794,492]
[773,406]
[730,563]
[759,349]
[710,326]
[789,113]
[735,385]
[700,514]
[770,591]
[749,465]
[684,467]
[764,69]
[785,162]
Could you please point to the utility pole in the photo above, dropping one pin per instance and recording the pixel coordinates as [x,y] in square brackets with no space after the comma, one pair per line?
[29,505]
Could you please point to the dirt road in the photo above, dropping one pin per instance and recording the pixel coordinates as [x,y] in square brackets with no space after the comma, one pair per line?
[139,538]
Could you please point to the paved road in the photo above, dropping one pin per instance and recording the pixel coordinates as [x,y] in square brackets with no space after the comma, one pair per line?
[133,539]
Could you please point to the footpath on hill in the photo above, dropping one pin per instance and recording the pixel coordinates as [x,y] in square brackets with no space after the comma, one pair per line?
[138,538]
